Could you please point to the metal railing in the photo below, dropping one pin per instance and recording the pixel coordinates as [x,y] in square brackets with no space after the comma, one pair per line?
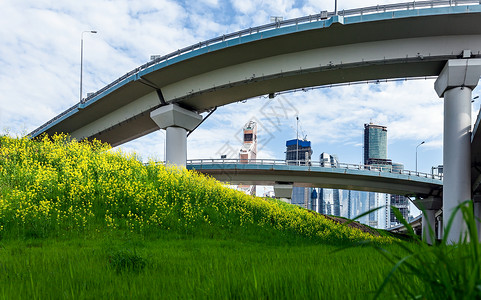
[278,162]
[238,34]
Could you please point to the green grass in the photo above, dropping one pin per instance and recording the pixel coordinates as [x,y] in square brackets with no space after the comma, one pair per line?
[80,222]
[172,267]
[442,271]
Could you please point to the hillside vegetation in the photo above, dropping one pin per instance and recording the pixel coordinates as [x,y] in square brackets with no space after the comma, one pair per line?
[81,221]
[55,187]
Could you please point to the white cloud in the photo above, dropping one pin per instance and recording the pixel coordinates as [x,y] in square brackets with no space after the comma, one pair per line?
[40,65]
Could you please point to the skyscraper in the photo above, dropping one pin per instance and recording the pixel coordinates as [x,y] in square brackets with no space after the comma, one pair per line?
[330,161]
[375,145]
[248,152]
[249,147]
[375,154]
[398,201]
[298,152]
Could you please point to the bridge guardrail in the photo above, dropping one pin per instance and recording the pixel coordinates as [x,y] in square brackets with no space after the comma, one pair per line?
[296,21]
[278,162]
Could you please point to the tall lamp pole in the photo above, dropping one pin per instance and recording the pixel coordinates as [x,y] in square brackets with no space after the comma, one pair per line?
[82,57]
[417,155]
[297,141]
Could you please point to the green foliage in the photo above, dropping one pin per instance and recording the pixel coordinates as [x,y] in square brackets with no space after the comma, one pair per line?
[56,187]
[441,271]
[126,260]
[189,268]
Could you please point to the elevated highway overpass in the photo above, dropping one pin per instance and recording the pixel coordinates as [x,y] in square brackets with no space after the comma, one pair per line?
[283,175]
[424,38]
[363,44]
[343,176]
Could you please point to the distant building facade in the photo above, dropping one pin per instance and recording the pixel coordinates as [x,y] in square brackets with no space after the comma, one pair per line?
[299,152]
[398,201]
[375,154]
[375,145]
[248,152]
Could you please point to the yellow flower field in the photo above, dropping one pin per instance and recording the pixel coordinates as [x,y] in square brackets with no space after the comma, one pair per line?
[54,186]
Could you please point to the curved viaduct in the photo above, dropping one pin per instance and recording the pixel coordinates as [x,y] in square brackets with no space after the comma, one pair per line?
[397,44]
[169,93]
[346,177]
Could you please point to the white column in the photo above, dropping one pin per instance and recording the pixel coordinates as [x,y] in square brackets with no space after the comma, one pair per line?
[177,121]
[429,206]
[429,221]
[176,146]
[440,227]
[283,190]
[457,156]
[477,214]
[455,83]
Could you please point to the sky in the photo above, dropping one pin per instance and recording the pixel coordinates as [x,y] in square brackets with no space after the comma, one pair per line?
[40,72]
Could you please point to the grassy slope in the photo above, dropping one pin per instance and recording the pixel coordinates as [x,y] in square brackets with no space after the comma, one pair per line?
[58,188]
[78,220]
[186,268]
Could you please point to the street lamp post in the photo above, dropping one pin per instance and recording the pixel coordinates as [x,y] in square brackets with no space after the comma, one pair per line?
[297,141]
[82,57]
[417,155]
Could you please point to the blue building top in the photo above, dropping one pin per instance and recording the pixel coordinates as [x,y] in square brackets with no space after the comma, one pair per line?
[301,143]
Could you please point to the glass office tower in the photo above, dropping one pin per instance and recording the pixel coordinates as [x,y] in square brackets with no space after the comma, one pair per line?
[375,154]
[298,152]
[375,145]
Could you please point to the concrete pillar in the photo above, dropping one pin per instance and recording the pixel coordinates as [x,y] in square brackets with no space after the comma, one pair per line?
[440,227]
[429,206]
[283,190]
[177,121]
[457,156]
[477,215]
[176,146]
[429,221]
[455,83]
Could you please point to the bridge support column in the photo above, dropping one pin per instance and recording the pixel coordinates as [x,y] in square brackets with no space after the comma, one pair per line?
[440,227]
[477,214]
[429,222]
[429,206]
[177,121]
[455,83]
[283,190]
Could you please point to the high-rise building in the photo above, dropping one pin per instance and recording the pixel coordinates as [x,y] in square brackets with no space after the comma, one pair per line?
[330,161]
[375,154]
[298,152]
[314,200]
[375,145]
[248,152]
[398,201]
[349,204]
[249,147]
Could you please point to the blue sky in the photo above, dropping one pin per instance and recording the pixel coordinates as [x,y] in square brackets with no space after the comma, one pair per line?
[40,66]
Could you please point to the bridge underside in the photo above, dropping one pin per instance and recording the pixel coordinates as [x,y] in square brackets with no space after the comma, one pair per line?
[288,58]
[361,180]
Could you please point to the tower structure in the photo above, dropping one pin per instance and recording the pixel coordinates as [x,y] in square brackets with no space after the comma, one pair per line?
[375,145]
[375,154]
[398,201]
[331,161]
[299,152]
[248,152]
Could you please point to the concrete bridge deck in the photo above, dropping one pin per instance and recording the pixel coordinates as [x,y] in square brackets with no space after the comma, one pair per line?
[343,176]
